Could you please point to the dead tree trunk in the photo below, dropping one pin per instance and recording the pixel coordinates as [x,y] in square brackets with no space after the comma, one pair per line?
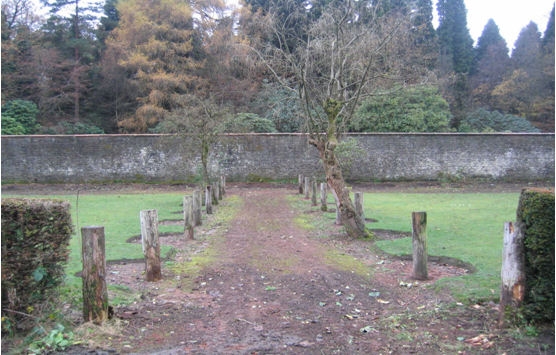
[306,187]
[512,290]
[323,197]
[188,222]
[95,293]
[197,207]
[420,256]
[208,199]
[300,180]
[151,245]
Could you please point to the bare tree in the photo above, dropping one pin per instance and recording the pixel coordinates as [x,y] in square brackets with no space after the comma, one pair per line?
[343,56]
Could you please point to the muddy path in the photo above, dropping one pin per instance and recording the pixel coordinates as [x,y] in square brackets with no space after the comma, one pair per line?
[261,282]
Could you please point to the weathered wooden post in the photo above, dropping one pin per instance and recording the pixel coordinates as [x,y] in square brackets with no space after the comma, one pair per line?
[323,197]
[215,192]
[151,245]
[222,186]
[314,193]
[188,222]
[300,180]
[306,187]
[197,207]
[95,293]
[420,271]
[512,290]
[358,201]
[208,199]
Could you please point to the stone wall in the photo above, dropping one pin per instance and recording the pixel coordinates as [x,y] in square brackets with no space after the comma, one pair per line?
[170,158]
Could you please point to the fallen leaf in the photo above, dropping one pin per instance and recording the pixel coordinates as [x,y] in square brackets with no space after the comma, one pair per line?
[374,294]
[382,301]
[366,329]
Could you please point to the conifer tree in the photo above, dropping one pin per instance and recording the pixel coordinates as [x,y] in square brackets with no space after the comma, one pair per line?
[490,65]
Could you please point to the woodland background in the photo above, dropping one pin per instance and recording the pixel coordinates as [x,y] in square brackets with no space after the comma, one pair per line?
[166,66]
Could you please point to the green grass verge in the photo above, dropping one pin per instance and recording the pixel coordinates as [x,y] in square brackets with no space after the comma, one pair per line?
[466,226]
[119,214]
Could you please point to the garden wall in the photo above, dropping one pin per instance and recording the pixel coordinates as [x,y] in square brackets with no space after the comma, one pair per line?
[170,158]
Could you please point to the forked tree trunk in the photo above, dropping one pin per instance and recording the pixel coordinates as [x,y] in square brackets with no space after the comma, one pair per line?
[351,220]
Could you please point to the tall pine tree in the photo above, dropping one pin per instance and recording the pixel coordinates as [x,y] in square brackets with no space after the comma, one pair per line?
[490,65]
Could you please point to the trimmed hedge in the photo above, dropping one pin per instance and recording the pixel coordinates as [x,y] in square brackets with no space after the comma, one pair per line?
[35,248]
[535,214]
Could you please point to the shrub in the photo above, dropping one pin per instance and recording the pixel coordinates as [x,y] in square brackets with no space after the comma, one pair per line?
[482,120]
[249,123]
[535,213]
[418,109]
[19,117]
[35,249]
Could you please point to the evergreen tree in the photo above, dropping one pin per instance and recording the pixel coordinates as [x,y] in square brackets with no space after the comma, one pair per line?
[456,44]
[456,56]
[490,65]
[69,34]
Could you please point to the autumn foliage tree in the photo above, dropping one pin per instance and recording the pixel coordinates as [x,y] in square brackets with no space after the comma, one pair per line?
[154,45]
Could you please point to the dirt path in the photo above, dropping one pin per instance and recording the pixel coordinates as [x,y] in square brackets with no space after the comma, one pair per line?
[266,286]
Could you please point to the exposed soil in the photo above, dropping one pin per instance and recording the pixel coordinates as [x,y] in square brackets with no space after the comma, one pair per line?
[264,285]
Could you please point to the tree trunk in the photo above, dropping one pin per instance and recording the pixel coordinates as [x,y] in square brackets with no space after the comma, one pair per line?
[314,193]
[352,222]
[151,245]
[95,293]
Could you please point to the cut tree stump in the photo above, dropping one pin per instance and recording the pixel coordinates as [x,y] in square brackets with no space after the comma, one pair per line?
[151,245]
[197,208]
[188,222]
[419,221]
[95,293]
[208,199]
[512,290]
[323,197]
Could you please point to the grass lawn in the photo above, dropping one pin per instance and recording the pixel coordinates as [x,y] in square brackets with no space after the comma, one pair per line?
[119,214]
[466,226]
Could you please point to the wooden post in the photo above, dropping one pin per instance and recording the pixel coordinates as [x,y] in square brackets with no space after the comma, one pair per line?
[188,222]
[512,290]
[323,197]
[314,193]
[215,192]
[208,199]
[358,201]
[300,180]
[95,293]
[306,187]
[222,186]
[151,246]
[420,256]
[197,204]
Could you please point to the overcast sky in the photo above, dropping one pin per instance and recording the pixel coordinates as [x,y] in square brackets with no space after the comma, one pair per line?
[511,16]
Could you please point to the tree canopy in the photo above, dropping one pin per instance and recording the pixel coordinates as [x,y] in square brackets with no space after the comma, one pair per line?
[125,65]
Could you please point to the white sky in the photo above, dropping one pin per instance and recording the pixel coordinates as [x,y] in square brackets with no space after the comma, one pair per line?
[511,16]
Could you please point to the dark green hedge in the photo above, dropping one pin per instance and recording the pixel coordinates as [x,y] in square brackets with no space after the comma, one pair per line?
[535,213]
[35,249]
